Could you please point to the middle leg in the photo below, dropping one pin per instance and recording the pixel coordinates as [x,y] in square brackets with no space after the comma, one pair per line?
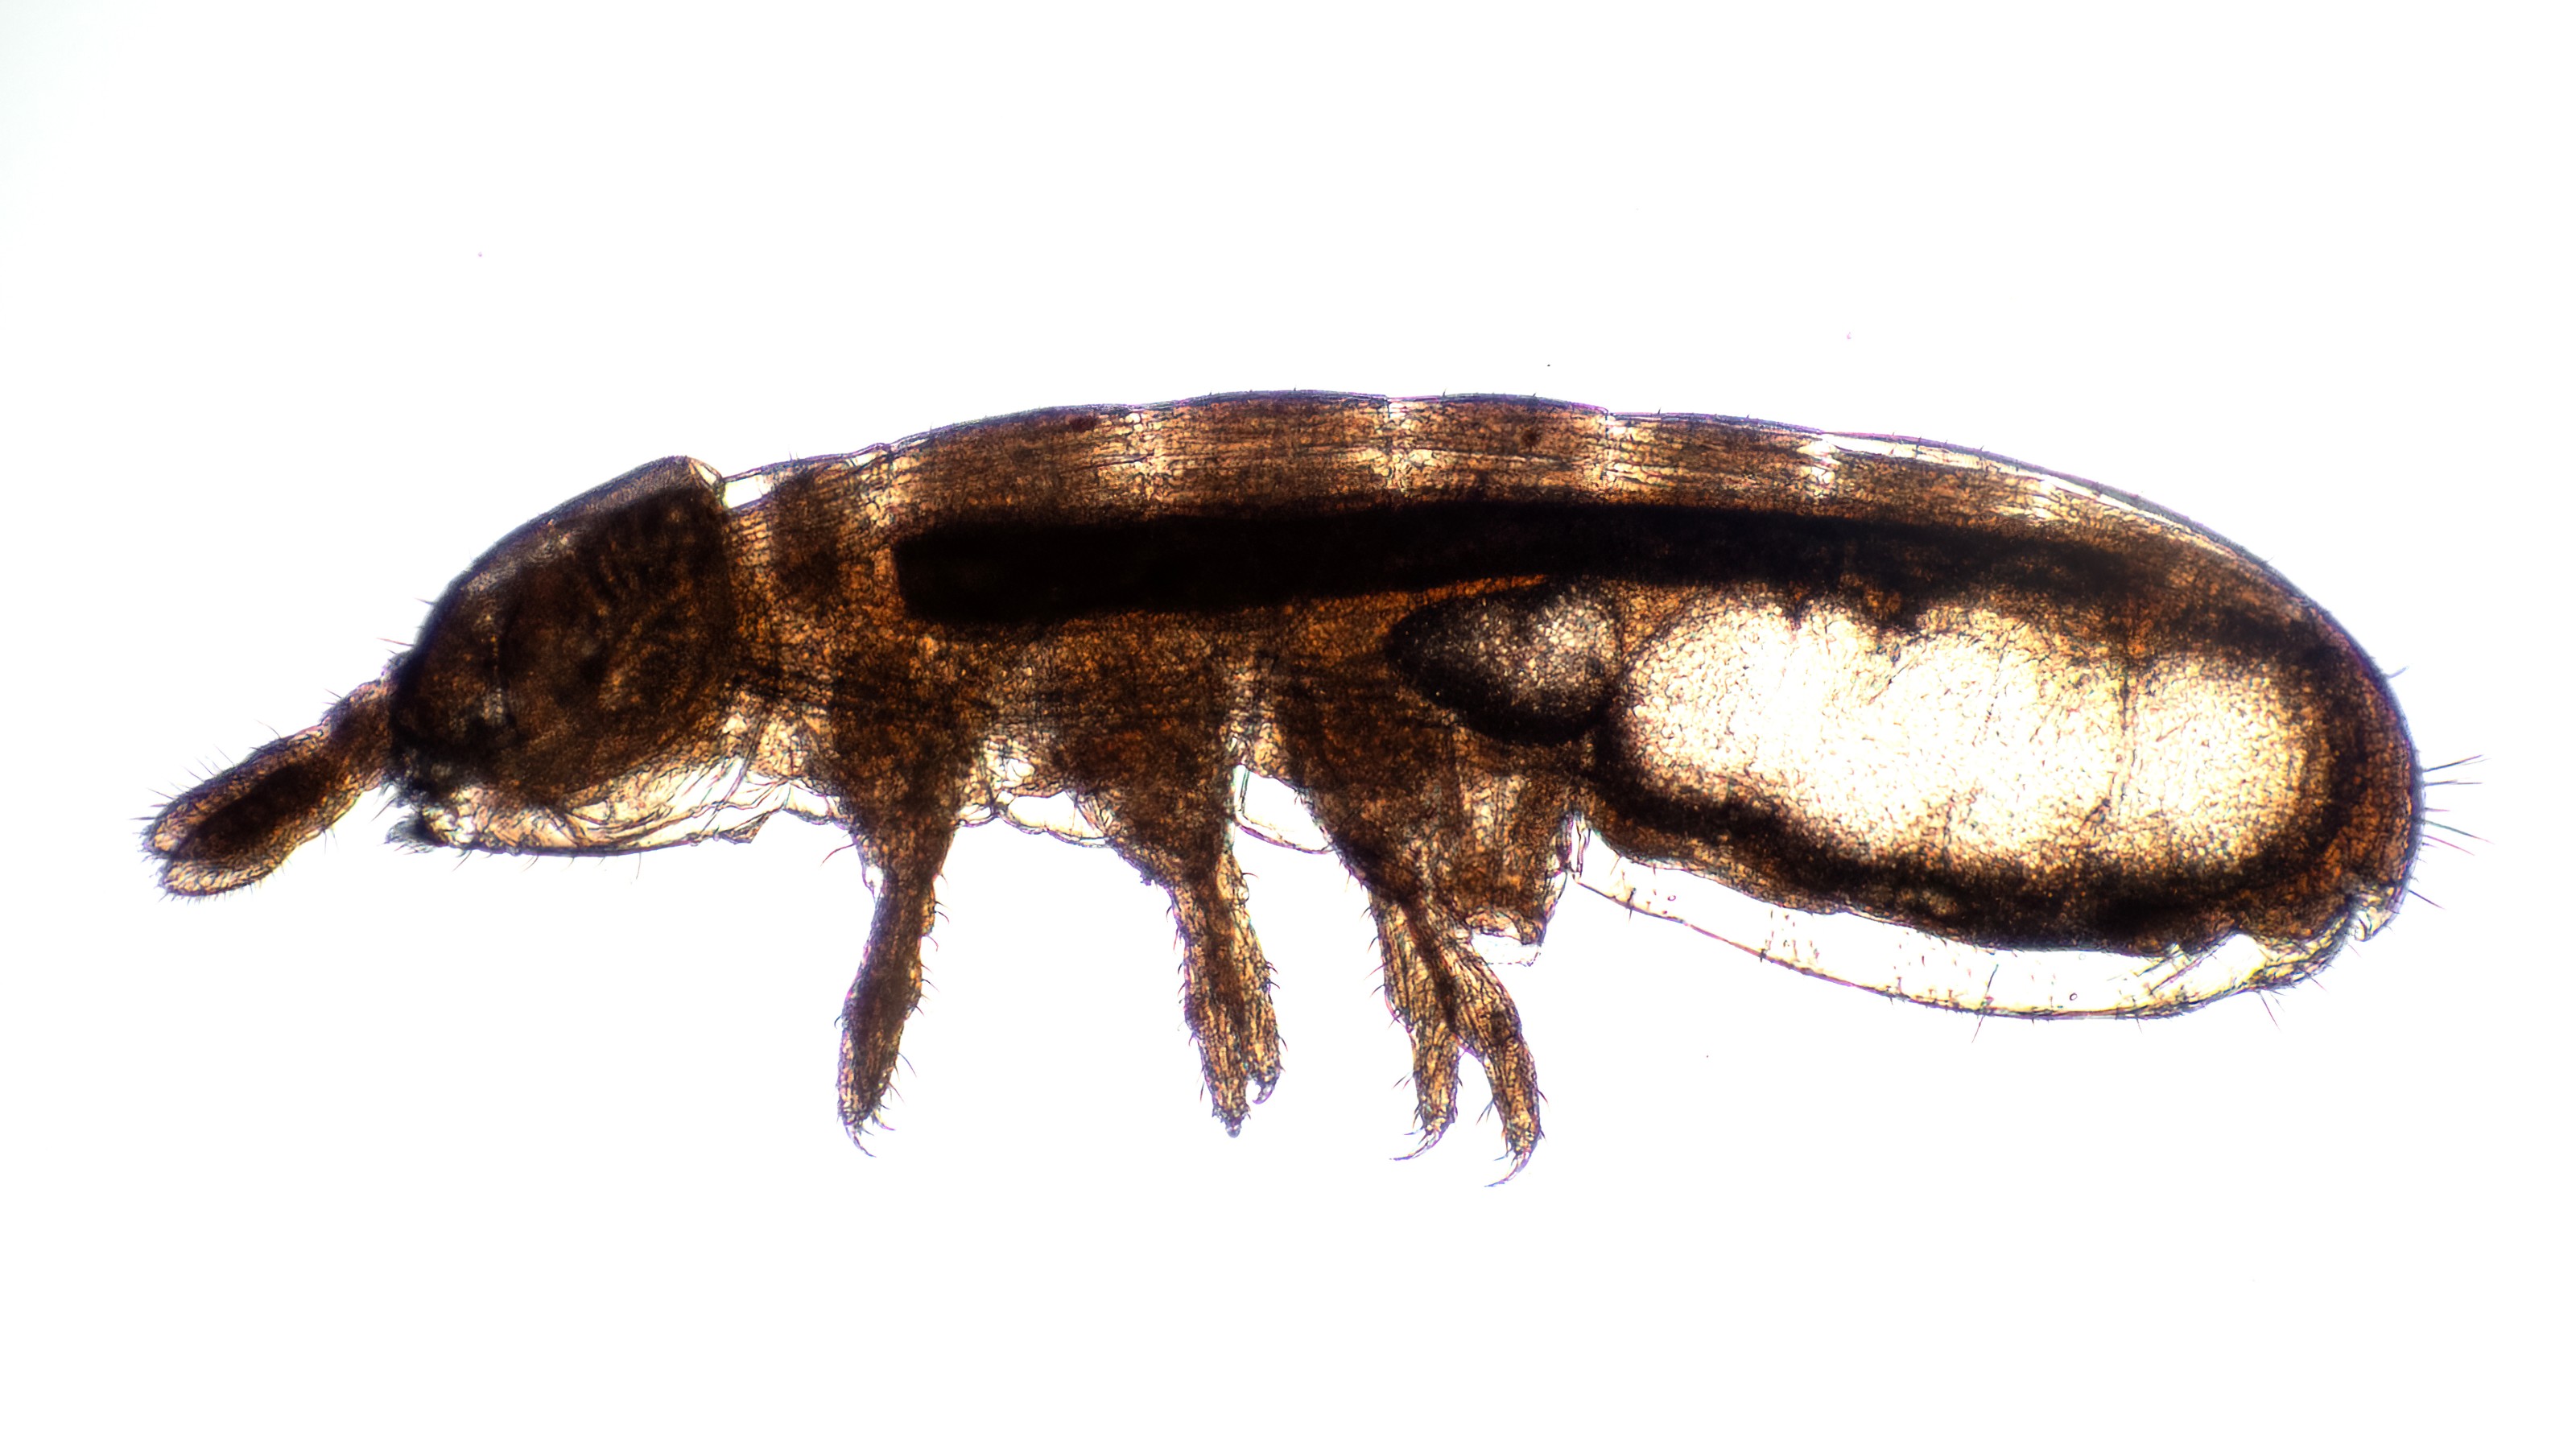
[1141,733]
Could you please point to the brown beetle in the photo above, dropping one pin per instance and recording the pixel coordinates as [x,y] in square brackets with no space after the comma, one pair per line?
[1915,718]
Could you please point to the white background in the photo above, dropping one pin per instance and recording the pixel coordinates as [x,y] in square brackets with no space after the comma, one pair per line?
[302,309]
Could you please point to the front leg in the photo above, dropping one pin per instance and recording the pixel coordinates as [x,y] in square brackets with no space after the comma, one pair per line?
[888,987]
[904,741]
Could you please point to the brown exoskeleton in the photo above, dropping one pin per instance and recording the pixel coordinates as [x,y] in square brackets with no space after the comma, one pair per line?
[1916,718]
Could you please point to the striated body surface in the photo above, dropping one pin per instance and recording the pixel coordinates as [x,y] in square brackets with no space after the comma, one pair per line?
[1919,719]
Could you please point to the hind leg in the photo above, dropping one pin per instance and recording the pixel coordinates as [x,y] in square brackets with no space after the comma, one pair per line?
[1452,833]
[1446,997]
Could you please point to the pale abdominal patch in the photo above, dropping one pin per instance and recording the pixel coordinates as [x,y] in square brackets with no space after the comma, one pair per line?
[1974,742]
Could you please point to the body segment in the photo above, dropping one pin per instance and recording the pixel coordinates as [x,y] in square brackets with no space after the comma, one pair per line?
[1918,719]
